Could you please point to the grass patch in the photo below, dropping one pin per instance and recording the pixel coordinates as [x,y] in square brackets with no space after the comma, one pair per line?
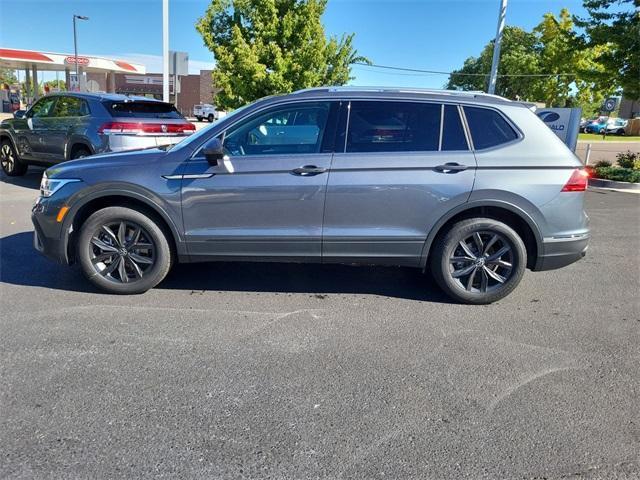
[593,137]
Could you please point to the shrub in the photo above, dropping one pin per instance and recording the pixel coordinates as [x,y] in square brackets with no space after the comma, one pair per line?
[602,163]
[618,174]
[627,159]
[636,164]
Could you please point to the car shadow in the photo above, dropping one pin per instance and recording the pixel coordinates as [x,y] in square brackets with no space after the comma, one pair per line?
[31,179]
[21,264]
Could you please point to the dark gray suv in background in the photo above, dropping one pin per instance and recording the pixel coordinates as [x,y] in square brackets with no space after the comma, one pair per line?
[67,126]
[473,187]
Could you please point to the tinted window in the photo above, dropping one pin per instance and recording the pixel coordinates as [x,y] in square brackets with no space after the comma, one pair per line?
[141,109]
[488,127]
[393,127]
[293,129]
[70,107]
[452,132]
[42,108]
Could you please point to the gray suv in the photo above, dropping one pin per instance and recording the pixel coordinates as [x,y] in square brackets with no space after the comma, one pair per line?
[67,126]
[472,187]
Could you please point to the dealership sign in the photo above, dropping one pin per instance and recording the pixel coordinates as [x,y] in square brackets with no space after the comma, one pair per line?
[565,123]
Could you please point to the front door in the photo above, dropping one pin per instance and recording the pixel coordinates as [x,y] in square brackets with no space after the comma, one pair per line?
[31,129]
[404,165]
[266,199]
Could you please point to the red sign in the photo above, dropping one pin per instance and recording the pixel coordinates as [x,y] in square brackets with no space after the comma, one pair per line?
[81,60]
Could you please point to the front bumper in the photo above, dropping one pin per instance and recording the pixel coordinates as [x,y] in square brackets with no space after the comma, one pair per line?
[51,238]
[559,252]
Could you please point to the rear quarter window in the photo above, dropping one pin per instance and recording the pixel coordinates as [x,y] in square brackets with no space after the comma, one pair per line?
[140,109]
[488,128]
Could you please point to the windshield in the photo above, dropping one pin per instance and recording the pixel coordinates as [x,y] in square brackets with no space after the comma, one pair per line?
[196,137]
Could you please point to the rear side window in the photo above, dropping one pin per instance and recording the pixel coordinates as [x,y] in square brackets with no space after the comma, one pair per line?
[488,128]
[453,137]
[70,107]
[141,109]
[393,127]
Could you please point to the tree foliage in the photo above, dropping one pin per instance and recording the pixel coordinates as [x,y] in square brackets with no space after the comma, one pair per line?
[615,25]
[562,71]
[8,76]
[265,47]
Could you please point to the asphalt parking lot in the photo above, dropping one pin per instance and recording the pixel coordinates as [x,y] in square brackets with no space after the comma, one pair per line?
[288,371]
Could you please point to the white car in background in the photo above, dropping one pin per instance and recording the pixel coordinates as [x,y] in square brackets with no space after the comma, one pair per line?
[616,126]
[208,111]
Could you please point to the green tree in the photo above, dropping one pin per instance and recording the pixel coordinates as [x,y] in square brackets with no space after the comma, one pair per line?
[266,47]
[517,56]
[55,84]
[8,75]
[615,24]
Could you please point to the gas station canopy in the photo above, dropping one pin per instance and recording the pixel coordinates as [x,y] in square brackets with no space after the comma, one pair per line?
[21,59]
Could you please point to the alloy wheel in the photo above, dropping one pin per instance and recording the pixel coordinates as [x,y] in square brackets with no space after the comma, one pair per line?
[122,251]
[8,159]
[482,262]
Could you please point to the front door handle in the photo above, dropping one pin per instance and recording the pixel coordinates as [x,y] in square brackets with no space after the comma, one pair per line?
[308,171]
[450,168]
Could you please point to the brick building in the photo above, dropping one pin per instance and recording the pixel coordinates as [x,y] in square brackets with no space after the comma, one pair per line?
[194,89]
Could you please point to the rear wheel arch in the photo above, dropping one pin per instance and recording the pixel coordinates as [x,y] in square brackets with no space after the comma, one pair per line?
[509,214]
[122,199]
[77,144]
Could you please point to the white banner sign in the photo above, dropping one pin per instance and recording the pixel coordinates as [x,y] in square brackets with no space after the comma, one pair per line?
[565,123]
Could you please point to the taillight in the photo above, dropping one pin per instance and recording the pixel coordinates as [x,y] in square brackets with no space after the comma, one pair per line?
[140,128]
[577,182]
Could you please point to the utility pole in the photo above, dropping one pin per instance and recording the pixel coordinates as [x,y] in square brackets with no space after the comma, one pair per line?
[165,50]
[75,44]
[496,47]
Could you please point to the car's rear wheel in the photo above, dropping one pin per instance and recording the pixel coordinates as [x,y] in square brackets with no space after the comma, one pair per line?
[79,152]
[478,261]
[210,117]
[123,251]
[11,163]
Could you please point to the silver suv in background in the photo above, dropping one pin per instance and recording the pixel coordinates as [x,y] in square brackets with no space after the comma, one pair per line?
[68,125]
[471,187]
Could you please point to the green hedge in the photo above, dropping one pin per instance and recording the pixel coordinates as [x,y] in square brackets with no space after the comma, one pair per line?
[618,174]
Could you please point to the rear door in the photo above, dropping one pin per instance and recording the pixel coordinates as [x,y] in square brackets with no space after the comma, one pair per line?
[267,198]
[404,164]
[69,115]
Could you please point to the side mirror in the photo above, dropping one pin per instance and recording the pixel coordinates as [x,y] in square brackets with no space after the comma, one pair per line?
[213,151]
[19,113]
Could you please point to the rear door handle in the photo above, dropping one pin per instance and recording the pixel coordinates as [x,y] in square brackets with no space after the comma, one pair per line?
[450,168]
[308,171]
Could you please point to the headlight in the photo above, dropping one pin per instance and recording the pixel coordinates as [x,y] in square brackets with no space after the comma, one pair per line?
[49,186]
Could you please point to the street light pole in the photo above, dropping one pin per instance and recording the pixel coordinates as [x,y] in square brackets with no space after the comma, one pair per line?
[165,50]
[75,44]
[496,47]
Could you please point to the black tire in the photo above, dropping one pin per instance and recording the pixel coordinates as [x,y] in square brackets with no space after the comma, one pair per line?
[12,166]
[487,269]
[210,117]
[157,256]
[79,152]
[199,119]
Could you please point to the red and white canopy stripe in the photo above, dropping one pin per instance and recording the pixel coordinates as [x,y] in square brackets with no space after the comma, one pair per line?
[19,59]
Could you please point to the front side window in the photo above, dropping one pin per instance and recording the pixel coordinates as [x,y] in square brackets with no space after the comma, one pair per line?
[393,127]
[294,129]
[42,108]
[488,128]
[70,107]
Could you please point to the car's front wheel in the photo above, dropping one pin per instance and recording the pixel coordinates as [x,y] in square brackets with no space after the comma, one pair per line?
[478,260]
[11,163]
[210,117]
[123,251]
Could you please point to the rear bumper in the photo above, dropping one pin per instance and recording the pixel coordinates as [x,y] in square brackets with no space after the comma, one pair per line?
[559,252]
[121,143]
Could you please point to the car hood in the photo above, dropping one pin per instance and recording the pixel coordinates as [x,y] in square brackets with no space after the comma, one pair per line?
[112,161]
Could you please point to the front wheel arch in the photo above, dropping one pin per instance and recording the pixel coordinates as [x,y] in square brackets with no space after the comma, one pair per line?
[75,222]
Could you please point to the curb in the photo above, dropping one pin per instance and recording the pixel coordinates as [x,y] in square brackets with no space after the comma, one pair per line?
[623,186]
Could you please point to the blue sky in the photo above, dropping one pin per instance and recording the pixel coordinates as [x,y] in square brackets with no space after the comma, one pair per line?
[423,34]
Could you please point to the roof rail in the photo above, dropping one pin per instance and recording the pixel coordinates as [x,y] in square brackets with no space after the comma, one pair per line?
[456,93]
